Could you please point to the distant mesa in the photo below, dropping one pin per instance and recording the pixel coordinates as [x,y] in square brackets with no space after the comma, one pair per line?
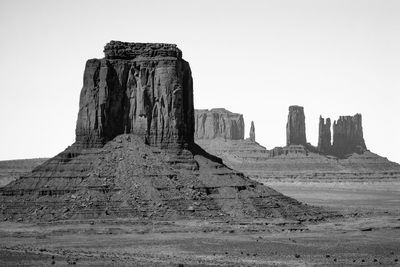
[342,158]
[347,134]
[134,153]
[218,122]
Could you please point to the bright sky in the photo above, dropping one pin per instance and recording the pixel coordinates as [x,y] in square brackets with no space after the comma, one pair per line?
[252,57]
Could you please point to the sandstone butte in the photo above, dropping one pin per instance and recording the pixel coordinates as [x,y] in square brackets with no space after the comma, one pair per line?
[134,155]
[343,159]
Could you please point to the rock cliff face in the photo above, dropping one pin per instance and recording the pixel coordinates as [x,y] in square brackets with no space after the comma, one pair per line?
[348,135]
[140,88]
[252,133]
[218,122]
[296,127]
[324,136]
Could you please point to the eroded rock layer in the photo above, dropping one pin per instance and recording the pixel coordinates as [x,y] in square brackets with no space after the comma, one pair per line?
[218,122]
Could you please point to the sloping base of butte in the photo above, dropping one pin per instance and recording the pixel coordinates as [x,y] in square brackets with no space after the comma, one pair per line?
[127,178]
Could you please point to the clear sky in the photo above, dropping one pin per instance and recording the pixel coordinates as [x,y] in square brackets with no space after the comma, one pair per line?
[252,57]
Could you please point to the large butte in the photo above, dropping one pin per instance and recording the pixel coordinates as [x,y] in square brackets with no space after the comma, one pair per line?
[134,154]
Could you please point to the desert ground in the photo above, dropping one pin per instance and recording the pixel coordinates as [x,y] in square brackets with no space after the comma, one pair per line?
[368,234]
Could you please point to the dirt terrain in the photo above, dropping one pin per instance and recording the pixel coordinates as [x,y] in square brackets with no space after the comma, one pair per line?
[367,235]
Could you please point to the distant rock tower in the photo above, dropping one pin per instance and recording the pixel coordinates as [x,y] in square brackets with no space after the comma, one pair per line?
[296,127]
[252,132]
[348,135]
[324,136]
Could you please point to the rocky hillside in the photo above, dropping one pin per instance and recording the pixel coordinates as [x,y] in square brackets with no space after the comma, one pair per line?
[10,170]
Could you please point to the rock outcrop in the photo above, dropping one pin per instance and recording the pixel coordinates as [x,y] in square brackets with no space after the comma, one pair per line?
[348,136]
[296,127]
[252,134]
[140,88]
[218,122]
[305,163]
[324,136]
[134,154]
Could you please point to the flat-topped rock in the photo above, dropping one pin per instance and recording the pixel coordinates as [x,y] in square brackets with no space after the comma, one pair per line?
[152,99]
[218,122]
[125,50]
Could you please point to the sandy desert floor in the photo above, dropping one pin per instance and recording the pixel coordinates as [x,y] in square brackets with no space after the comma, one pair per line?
[367,235]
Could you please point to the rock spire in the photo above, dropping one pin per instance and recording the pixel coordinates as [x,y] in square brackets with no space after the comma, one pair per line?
[252,134]
[324,135]
[296,127]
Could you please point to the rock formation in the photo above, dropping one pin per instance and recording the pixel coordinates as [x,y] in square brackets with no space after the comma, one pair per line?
[348,136]
[252,133]
[218,122]
[299,162]
[296,127]
[324,136]
[140,88]
[134,154]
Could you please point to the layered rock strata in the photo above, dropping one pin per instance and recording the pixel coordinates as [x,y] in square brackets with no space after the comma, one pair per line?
[218,122]
[348,136]
[296,127]
[154,170]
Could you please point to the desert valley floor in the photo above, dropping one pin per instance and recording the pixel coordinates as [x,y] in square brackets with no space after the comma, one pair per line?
[368,234]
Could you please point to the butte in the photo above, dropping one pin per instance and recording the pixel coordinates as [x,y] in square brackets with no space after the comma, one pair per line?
[134,154]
